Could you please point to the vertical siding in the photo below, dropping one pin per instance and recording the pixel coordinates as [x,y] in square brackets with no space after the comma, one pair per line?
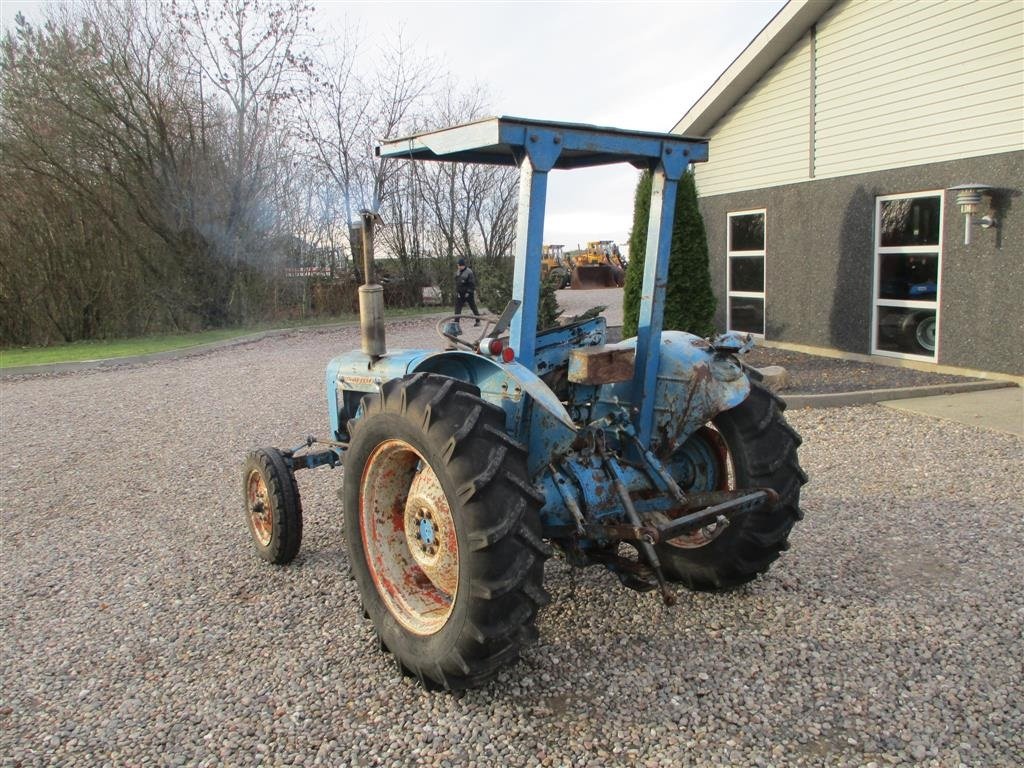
[901,83]
[764,139]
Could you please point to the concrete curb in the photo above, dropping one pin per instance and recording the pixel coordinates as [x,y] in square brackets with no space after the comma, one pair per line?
[867,396]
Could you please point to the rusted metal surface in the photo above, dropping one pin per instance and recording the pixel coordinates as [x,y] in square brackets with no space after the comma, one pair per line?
[708,464]
[371,320]
[258,501]
[430,531]
[371,295]
[623,532]
[645,547]
[409,537]
[601,365]
[694,383]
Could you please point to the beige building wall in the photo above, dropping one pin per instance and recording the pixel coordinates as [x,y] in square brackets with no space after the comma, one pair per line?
[905,83]
[879,84]
[763,140]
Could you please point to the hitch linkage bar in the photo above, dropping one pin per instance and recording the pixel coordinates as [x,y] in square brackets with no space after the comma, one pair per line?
[722,512]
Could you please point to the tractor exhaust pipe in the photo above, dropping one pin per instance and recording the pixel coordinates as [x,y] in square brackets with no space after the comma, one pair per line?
[371,295]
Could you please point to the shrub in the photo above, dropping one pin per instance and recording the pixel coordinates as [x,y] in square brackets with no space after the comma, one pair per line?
[494,290]
[689,300]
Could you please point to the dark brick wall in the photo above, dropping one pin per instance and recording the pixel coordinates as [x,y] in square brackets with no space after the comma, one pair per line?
[820,253]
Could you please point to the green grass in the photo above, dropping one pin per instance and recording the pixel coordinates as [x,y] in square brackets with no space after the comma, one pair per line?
[103,350]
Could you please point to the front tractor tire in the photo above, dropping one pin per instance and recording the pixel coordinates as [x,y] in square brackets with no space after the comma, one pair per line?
[273,508]
[751,446]
[443,531]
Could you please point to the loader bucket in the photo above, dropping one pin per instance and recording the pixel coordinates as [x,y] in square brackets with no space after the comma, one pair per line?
[586,277]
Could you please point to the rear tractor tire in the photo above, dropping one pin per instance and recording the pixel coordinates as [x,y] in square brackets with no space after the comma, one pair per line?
[273,508]
[443,531]
[751,445]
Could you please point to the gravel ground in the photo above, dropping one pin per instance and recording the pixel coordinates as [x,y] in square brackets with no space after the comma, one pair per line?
[139,629]
[576,302]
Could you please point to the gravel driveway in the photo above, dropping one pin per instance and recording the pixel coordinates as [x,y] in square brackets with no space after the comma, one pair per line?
[138,627]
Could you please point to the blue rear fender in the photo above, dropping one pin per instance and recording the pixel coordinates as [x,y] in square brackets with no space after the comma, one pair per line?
[533,415]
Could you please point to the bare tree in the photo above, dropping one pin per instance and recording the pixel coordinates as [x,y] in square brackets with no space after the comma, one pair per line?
[351,111]
[185,165]
[250,53]
[106,112]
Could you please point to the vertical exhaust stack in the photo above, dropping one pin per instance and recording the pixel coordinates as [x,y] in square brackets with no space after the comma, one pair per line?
[371,295]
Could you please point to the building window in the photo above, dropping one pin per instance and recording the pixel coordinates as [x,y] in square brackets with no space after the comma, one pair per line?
[745,247]
[908,249]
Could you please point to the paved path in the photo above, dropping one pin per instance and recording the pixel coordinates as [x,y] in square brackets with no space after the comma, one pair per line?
[998,409]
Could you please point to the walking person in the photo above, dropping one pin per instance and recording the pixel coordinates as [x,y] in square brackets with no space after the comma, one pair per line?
[465,290]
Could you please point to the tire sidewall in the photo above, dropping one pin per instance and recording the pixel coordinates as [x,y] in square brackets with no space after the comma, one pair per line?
[376,429]
[263,462]
[747,445]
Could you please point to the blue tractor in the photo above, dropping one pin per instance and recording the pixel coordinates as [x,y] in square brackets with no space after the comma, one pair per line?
[657,457]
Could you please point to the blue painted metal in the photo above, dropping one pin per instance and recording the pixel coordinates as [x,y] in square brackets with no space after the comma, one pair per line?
[512,386]
[542,148]
[692,385]
[555,344]
[586,483]
[533,185]
[537,147]
[733,342]
[580,440]
[333,407]
[501,141]
[652,296]
[330,457]
[426,532]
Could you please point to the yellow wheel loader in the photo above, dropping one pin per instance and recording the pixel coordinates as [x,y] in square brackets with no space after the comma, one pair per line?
[554,266]
[599,266]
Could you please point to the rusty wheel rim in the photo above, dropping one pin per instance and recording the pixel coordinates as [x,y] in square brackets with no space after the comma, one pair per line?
[713,471]
[258,501]
[409,537]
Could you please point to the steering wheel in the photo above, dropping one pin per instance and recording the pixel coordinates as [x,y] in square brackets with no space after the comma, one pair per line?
[450,329]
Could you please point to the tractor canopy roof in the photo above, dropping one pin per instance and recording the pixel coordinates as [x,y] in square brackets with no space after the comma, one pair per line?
[504,141]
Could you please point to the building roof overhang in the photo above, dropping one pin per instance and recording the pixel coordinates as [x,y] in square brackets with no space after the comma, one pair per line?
[771,43]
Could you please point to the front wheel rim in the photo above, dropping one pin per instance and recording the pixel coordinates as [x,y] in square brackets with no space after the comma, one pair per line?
[258,501]
[409,537]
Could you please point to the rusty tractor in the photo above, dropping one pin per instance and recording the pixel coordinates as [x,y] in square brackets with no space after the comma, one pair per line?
[660,457]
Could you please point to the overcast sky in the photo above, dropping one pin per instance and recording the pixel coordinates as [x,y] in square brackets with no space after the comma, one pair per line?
[628,65]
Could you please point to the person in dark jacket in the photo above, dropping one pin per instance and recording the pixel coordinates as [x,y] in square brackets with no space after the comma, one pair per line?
[465,290]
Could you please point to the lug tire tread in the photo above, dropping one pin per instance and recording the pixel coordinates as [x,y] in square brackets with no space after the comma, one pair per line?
[764,449]
[496,510]
[286,505]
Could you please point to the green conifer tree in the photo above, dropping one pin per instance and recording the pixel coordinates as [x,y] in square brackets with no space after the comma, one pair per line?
[689,302]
